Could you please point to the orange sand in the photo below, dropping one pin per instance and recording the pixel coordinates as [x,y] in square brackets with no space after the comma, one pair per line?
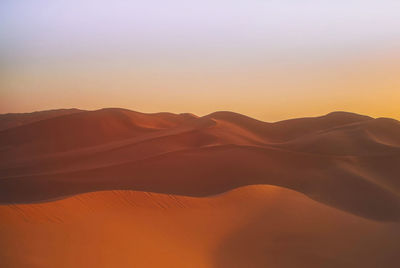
[177,190]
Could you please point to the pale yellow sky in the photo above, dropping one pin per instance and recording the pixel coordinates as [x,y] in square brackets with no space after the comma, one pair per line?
[271,60]
[365,85]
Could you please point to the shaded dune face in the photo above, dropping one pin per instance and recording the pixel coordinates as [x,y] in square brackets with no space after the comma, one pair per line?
[12,120]
[118,188]
[86,129]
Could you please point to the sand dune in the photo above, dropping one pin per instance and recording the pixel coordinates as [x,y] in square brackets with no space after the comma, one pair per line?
[255,226]
[12,120]
[347,165]
[85,129]
[326,157]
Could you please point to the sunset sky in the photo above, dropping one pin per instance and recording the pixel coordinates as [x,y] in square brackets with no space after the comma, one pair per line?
[269,59]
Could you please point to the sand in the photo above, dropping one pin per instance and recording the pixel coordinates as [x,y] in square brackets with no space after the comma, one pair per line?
[118,188]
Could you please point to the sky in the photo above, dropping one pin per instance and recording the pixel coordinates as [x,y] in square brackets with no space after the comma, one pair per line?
[269,59]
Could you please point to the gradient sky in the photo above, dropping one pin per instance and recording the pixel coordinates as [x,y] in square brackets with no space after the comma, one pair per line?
[270,59]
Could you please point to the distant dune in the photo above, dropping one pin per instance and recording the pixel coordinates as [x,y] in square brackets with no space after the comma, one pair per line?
[18,119]
[222,190]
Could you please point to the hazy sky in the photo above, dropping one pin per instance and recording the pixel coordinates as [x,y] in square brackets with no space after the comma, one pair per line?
[271,59]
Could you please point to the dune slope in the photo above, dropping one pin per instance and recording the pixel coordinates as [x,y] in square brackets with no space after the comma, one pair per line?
[255,226]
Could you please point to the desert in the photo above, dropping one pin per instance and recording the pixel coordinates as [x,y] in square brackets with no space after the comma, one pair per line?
[119,188]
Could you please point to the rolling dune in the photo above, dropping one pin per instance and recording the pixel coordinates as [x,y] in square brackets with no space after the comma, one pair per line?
[255,226]
[113,188]
[18,119]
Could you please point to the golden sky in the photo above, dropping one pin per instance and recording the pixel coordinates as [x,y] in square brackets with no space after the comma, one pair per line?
[271,60]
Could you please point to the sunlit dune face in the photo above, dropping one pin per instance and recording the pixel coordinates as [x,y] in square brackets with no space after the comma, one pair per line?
[259,225]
